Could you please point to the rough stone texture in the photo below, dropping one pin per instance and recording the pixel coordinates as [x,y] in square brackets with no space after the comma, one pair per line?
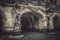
[13,23]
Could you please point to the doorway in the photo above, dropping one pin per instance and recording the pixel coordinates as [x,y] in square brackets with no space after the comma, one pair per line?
[56,23]
[30,21]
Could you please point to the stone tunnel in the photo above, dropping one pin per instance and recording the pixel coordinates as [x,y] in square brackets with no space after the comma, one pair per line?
[27,20]
[32,20]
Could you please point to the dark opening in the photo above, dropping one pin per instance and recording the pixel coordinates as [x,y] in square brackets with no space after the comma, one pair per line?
[29,21]
[0,24]
[56,23]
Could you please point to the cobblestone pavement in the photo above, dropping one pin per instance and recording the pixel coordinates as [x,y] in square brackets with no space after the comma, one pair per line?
[34,36]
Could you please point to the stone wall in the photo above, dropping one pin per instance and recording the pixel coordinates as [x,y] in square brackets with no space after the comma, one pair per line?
[12,17]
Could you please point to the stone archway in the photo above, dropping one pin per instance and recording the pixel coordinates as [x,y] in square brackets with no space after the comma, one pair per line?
[31,21]
[56,22]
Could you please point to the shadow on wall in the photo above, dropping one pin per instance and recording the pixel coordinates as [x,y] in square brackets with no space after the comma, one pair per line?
[2,21]
[8,1]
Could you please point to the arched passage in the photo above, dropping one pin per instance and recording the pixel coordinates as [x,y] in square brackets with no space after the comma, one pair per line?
[30,21]
[56,22]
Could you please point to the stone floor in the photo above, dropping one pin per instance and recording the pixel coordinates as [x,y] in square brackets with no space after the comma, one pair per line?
[34,36]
